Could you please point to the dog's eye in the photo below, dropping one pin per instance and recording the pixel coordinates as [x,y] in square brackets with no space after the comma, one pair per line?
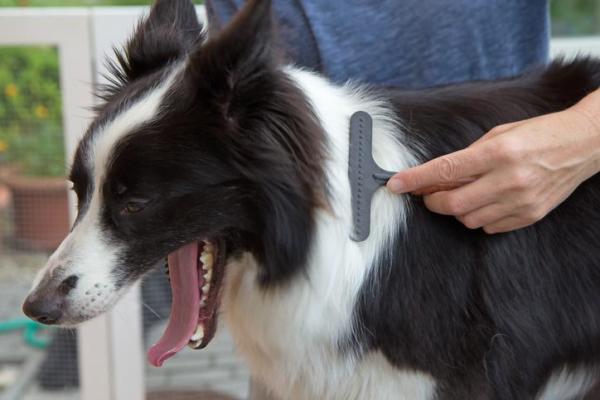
[134,206]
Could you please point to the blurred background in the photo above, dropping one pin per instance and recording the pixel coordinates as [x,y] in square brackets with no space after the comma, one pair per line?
[42,364]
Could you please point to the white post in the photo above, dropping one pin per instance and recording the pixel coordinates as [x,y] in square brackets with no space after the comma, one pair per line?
[110,353]
[112,344]
[571,47]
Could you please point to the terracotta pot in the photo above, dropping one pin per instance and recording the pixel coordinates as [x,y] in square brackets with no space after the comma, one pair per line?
[4,201]
[40,210]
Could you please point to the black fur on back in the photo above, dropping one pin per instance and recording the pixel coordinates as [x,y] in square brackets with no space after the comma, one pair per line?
[490,317]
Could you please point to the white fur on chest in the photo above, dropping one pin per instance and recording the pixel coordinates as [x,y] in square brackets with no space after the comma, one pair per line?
[290,336]
[290,341]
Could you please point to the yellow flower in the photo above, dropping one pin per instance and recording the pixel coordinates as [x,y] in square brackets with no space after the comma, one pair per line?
[11,90]
[3,146]
[41,112]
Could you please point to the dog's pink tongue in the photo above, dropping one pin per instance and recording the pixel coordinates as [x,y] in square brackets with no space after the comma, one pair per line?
[183,271]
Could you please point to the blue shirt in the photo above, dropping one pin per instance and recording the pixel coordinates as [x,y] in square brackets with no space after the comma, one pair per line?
[409,43]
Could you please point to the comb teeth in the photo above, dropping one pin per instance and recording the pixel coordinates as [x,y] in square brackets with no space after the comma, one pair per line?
[364,174]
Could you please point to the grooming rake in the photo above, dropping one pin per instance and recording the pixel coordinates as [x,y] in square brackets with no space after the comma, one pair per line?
[364,174]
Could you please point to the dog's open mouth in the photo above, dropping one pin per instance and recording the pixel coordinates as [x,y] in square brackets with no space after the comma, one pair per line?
[196,274]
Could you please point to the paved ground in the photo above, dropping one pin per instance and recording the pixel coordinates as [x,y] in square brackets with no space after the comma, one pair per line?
[216,368]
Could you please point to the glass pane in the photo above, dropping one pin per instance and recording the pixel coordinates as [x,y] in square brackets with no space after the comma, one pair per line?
[35,363]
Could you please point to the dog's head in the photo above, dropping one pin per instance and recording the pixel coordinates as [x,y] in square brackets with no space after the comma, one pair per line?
[202,149]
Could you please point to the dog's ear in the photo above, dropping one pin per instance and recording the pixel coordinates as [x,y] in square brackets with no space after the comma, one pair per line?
[169,32]
[239,52]
[235,75]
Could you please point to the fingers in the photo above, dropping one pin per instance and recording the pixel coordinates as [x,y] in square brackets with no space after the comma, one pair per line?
[519,218]
[506,225]
[466,199]
[486,216]
[442,187]
[501,217]
[448,169]
[509,179]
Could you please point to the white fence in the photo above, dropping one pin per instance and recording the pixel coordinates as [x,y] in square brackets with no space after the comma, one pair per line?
[110,347]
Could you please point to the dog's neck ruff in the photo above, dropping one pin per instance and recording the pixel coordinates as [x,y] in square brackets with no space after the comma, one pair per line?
[334,107]
[291,336]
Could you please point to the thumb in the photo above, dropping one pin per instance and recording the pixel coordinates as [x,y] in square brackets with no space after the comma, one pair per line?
[443,171]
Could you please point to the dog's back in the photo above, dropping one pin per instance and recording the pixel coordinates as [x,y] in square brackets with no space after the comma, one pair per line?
[491,314]
[457,312]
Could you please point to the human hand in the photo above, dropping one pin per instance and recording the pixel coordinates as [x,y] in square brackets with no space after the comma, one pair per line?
[515,174]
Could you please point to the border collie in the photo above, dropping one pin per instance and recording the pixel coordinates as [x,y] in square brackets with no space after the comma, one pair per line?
[211,151]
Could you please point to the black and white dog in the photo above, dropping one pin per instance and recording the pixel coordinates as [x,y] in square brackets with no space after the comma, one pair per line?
[212,152]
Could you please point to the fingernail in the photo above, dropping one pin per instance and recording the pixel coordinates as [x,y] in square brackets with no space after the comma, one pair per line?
[395,185]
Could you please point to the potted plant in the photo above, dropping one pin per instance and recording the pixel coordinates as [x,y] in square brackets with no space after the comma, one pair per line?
[4,194]
[30,113]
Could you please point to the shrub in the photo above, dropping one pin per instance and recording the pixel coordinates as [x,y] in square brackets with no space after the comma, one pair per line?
[30,110]
[30,103]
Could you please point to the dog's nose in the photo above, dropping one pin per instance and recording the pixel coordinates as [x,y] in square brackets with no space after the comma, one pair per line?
[43,309]
[46,306]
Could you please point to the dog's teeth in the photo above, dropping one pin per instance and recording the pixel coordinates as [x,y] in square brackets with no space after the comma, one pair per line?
[206,259]
[208,247]
[199,334]
[203,302]
[208,275]
[196,339]
[205,289]
[194,345]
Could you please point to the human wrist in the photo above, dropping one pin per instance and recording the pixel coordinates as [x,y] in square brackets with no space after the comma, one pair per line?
[588,110]
[589,107]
